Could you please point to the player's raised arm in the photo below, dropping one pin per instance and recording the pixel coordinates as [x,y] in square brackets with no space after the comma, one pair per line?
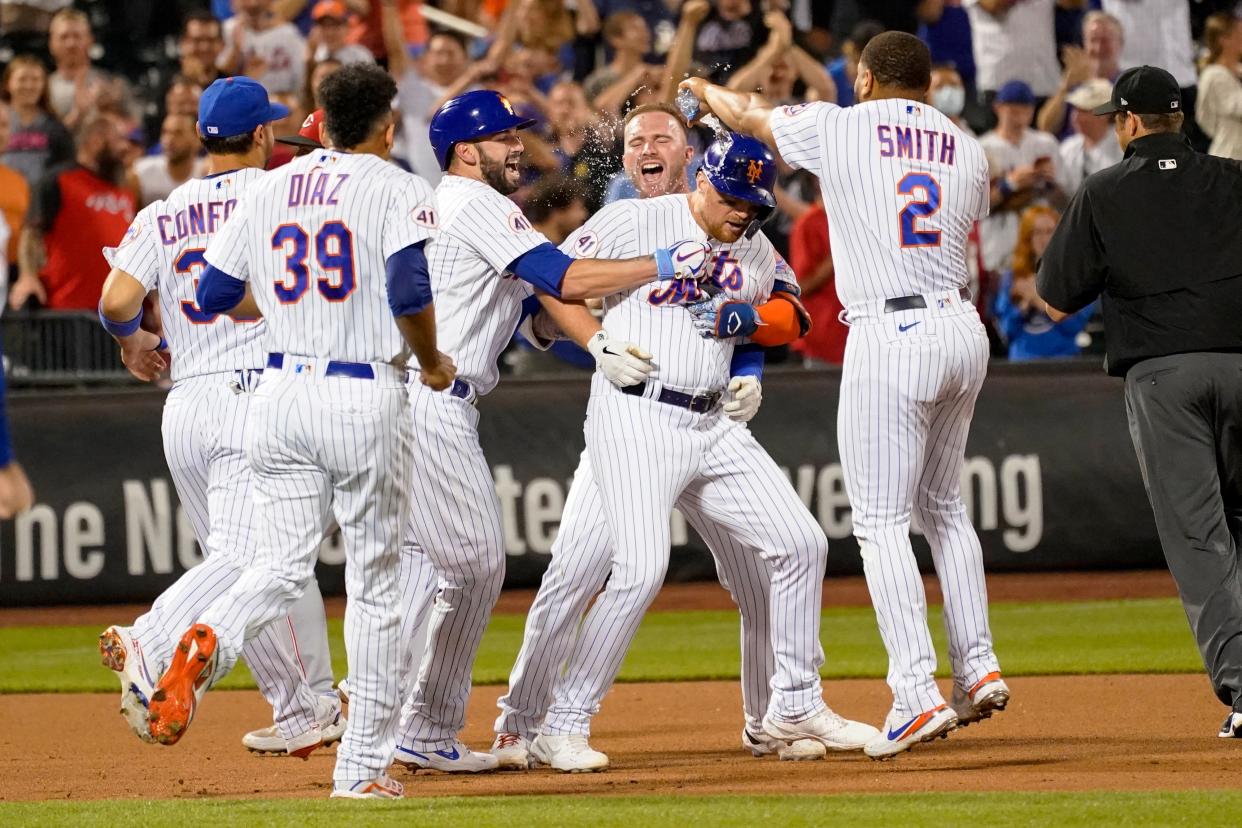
[747,112]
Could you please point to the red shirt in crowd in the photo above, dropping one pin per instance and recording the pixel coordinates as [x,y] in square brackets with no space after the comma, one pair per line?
[808,247]
[78,214]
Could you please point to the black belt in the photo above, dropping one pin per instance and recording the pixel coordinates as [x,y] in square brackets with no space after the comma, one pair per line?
[903,303]
[699,405]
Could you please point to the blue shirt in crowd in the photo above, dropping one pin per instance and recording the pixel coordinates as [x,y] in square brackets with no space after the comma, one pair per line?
[1033,334]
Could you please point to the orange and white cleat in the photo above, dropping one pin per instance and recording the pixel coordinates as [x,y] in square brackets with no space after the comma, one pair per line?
[181,688]
[901,732]
[986,696]
[381,788]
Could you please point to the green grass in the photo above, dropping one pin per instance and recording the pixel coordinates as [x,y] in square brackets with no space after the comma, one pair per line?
[1191,808]
[1139,636]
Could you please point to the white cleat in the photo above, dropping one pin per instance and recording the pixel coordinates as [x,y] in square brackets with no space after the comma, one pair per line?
[512,751]
[457,759]
[989,695]
[901,733]
[121,654]
[762,744]
[833,731]
[382,788]
[329,730]
[1232,728]
[568,754]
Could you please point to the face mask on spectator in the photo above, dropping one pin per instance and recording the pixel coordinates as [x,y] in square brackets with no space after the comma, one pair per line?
[950,100]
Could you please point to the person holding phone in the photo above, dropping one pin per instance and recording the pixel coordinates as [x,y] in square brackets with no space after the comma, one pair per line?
[1025,170]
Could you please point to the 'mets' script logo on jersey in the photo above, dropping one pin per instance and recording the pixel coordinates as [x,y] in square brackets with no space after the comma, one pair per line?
[726,275]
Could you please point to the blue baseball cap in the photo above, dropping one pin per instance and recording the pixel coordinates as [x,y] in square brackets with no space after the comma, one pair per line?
[1015,92]
[235,106]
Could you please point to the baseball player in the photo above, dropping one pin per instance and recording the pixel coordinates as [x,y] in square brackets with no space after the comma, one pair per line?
[329,248]
[655,159]
[489,268]
[704,461]
[903,186]
[217,366]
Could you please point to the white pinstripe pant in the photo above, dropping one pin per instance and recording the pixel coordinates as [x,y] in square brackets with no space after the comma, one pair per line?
[582,556]
[324,447]
[648,458]
[204,428]
[907,398]
[454,533]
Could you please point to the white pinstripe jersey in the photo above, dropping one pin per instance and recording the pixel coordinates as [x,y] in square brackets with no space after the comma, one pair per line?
[902,187]
[651,315]
[478,302]
[164,250]
[312,237]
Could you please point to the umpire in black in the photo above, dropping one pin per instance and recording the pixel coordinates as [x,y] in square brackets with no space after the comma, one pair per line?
[1159,236]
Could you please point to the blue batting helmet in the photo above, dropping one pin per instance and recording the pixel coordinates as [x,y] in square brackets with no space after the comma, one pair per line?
[469,116]
[742,167]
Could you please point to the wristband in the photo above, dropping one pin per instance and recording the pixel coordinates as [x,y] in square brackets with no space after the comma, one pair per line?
[119,329]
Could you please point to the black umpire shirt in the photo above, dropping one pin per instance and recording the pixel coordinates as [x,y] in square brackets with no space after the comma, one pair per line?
[1159,235]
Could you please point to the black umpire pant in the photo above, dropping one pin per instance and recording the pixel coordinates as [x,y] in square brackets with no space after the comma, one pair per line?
[1185,414]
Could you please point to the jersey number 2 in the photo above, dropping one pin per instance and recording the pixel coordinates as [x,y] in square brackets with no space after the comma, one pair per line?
[334,252]
[924,193]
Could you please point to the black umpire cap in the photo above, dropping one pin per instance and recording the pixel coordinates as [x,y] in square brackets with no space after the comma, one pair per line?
[1144,90]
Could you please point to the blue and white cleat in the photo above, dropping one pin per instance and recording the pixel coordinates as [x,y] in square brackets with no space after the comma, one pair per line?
[901,733]
[457,759]
[121,653]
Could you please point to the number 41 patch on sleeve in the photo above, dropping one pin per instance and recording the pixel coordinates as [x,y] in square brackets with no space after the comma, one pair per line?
[425,216]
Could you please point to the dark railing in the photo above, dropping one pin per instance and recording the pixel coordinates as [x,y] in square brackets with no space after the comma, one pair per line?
[43,348]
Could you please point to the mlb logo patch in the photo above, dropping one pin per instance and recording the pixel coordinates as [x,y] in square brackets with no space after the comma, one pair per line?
[213,130]
[1167,164]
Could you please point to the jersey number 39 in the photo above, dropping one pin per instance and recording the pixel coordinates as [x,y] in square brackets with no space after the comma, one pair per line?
[334,253]
[924,193]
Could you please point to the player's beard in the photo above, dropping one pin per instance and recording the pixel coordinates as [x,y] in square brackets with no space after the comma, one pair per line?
[496,175]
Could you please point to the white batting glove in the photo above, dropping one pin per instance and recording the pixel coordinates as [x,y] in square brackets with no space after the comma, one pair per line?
[747,394]
[683,260]
[623,363]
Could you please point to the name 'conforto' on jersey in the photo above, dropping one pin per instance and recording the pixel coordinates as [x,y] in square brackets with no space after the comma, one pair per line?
[916,144]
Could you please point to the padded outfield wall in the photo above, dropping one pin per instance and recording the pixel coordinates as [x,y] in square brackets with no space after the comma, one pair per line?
[1051,482]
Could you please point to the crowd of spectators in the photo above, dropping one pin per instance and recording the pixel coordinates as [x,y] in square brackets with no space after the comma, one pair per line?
[98,104]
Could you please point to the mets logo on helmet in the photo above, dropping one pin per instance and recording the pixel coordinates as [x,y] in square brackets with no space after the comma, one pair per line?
[754,169]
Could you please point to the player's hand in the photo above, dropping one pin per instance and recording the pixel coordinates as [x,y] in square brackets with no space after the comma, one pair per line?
[622,363]
[16,493]
[747,394]
[141,354]
[26,286]
[698,87]
[439,376]
[682,260]
[732,319]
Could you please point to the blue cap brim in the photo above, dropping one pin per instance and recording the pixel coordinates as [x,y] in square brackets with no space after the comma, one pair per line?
[276,112]
[734,189]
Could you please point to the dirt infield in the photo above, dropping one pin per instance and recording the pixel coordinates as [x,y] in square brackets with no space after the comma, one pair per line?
[1060,734]
[838,592]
